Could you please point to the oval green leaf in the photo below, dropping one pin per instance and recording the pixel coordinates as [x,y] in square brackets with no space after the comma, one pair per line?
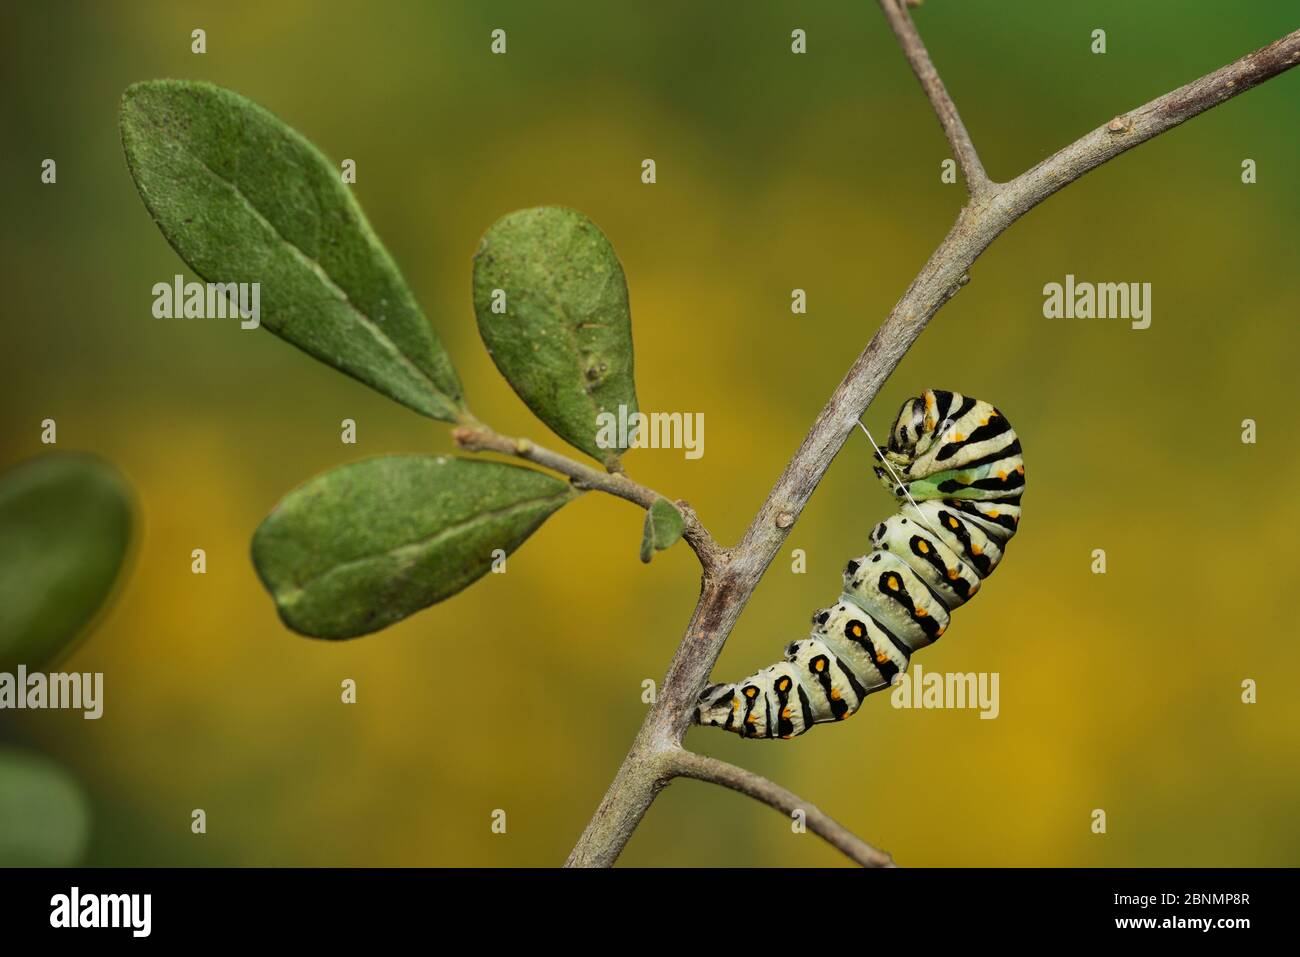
[44,816]
[564,339]
[367,544]
[244,198]
[663,528]
[65,523]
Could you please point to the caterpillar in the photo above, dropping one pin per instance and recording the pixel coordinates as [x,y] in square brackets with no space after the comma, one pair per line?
[955,463]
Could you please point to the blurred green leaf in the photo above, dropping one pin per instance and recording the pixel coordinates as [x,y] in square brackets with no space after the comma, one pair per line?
[367,544]
[564,340]
[65,522]
[244,198]
[663,528]
[44,816]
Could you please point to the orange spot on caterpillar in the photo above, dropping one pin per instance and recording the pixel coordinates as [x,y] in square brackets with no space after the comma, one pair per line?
[976,550]
[952,574]
[921,613]
[835,694]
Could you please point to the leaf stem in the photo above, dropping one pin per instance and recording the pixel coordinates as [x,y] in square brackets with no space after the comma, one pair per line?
[481,438]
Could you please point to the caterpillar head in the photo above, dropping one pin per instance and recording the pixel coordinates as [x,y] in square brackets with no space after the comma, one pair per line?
[908,427]
[717,706]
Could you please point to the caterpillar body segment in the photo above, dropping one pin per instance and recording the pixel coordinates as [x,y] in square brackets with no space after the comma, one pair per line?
[931,557]
[956,465]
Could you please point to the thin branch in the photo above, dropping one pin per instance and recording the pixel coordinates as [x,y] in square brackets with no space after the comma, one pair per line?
[480,438]
[1150,120]
[687,764]
[982,220]
[977,181]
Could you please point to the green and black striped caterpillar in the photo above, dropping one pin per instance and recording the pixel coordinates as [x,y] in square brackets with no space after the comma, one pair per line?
[955,463]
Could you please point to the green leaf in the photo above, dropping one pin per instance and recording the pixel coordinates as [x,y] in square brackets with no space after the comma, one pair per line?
[367,544]
[44,816]
[65,523]
[564,341]
[244,198]
[663,528]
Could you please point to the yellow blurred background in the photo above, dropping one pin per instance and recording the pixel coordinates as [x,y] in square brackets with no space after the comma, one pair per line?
[775,171]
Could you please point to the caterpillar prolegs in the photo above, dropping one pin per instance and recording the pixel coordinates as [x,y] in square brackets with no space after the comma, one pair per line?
[957,469]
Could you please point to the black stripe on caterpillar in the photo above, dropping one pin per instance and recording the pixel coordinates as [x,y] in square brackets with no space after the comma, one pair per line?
[959,461]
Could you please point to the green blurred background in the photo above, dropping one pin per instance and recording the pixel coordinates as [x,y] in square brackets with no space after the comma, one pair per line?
[775,171]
